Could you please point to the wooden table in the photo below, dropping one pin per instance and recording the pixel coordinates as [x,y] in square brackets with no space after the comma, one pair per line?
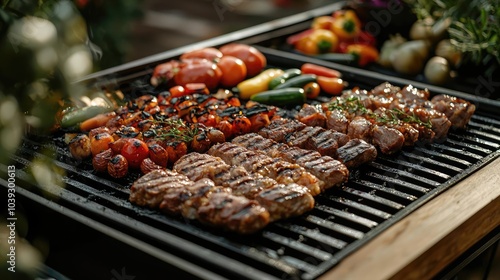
[429,239]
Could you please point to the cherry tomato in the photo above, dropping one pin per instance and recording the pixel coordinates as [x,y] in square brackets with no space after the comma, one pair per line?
[211,54]
[100,143]
[333,86]
[158,154]
[254,60]
[135,151]
[233,70]
[199,71]
[312,90]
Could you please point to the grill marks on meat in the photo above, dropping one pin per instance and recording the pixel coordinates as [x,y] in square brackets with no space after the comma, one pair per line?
[357,152]
[300,135]
[172,192]
[282,171]
[330,171]
[150,189]
[281,200]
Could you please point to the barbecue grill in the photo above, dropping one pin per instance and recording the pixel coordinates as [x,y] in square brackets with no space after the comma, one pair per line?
[124,239]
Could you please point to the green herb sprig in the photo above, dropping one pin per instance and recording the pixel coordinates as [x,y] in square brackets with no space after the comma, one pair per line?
[175,129]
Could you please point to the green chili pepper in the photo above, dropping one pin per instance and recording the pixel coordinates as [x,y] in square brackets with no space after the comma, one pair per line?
[290,73]
[79,115]
[281,97]
[299,81]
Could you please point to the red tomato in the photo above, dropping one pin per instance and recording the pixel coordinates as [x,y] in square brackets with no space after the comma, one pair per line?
[135,151]
[199,71]
[254,60]
[233,70]
[211,54]
[165,72]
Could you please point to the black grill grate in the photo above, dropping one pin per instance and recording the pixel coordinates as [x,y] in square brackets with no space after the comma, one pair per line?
[376,196]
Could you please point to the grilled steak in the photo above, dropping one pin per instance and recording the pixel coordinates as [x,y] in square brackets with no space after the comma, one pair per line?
[150,189]
[327,169]
[356,152]
[283,172]
[284,201]
[312,116]
[278,129]
[250,185]
[235,213]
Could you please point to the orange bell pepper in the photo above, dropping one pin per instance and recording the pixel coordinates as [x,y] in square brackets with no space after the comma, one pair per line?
[346,24]
[318,41]
[363,54]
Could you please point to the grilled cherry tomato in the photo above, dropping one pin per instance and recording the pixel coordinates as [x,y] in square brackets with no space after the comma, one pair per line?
[233,70]
[211,54]
[158,154]
[100,142]
[199,71]
[254,60]
[101,160]
[118,166]
[312,90]
[135,151]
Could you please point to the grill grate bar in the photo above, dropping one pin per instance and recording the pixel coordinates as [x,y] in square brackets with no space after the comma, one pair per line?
[475,141]
[347,216]
[452,170]
[389,181]
[296,245]
[395,194]
[299,264]
[411,167]
[355,234]
[466,146]
[384,203]
[457,152]
[315,234]
[364,209]
[451,160]
[486,135]
[405,174]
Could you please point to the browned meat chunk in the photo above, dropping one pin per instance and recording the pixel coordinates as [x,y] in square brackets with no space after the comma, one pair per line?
[280,170]
[457,110]
[336,120]
[324,143]
[330,171]
[360,128]
[284,201]
[278,129]
[301,138]
[150,189]
[311,116]
[388,140]
[235,213]
[356,152]
[186,201]
[196,166]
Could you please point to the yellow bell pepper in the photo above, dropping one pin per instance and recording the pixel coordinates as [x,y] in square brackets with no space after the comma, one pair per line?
[318,41]
[346,24]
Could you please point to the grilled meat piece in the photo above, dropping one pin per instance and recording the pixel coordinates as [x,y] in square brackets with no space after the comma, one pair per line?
[235,213]
[284,201]
[187,200]
[150,189]
[327,169]
[311,115]
[278,169]
[278,129]
[249,185]
[458,111]
[356,152]
[337,121]
[360,128]
[387,139]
